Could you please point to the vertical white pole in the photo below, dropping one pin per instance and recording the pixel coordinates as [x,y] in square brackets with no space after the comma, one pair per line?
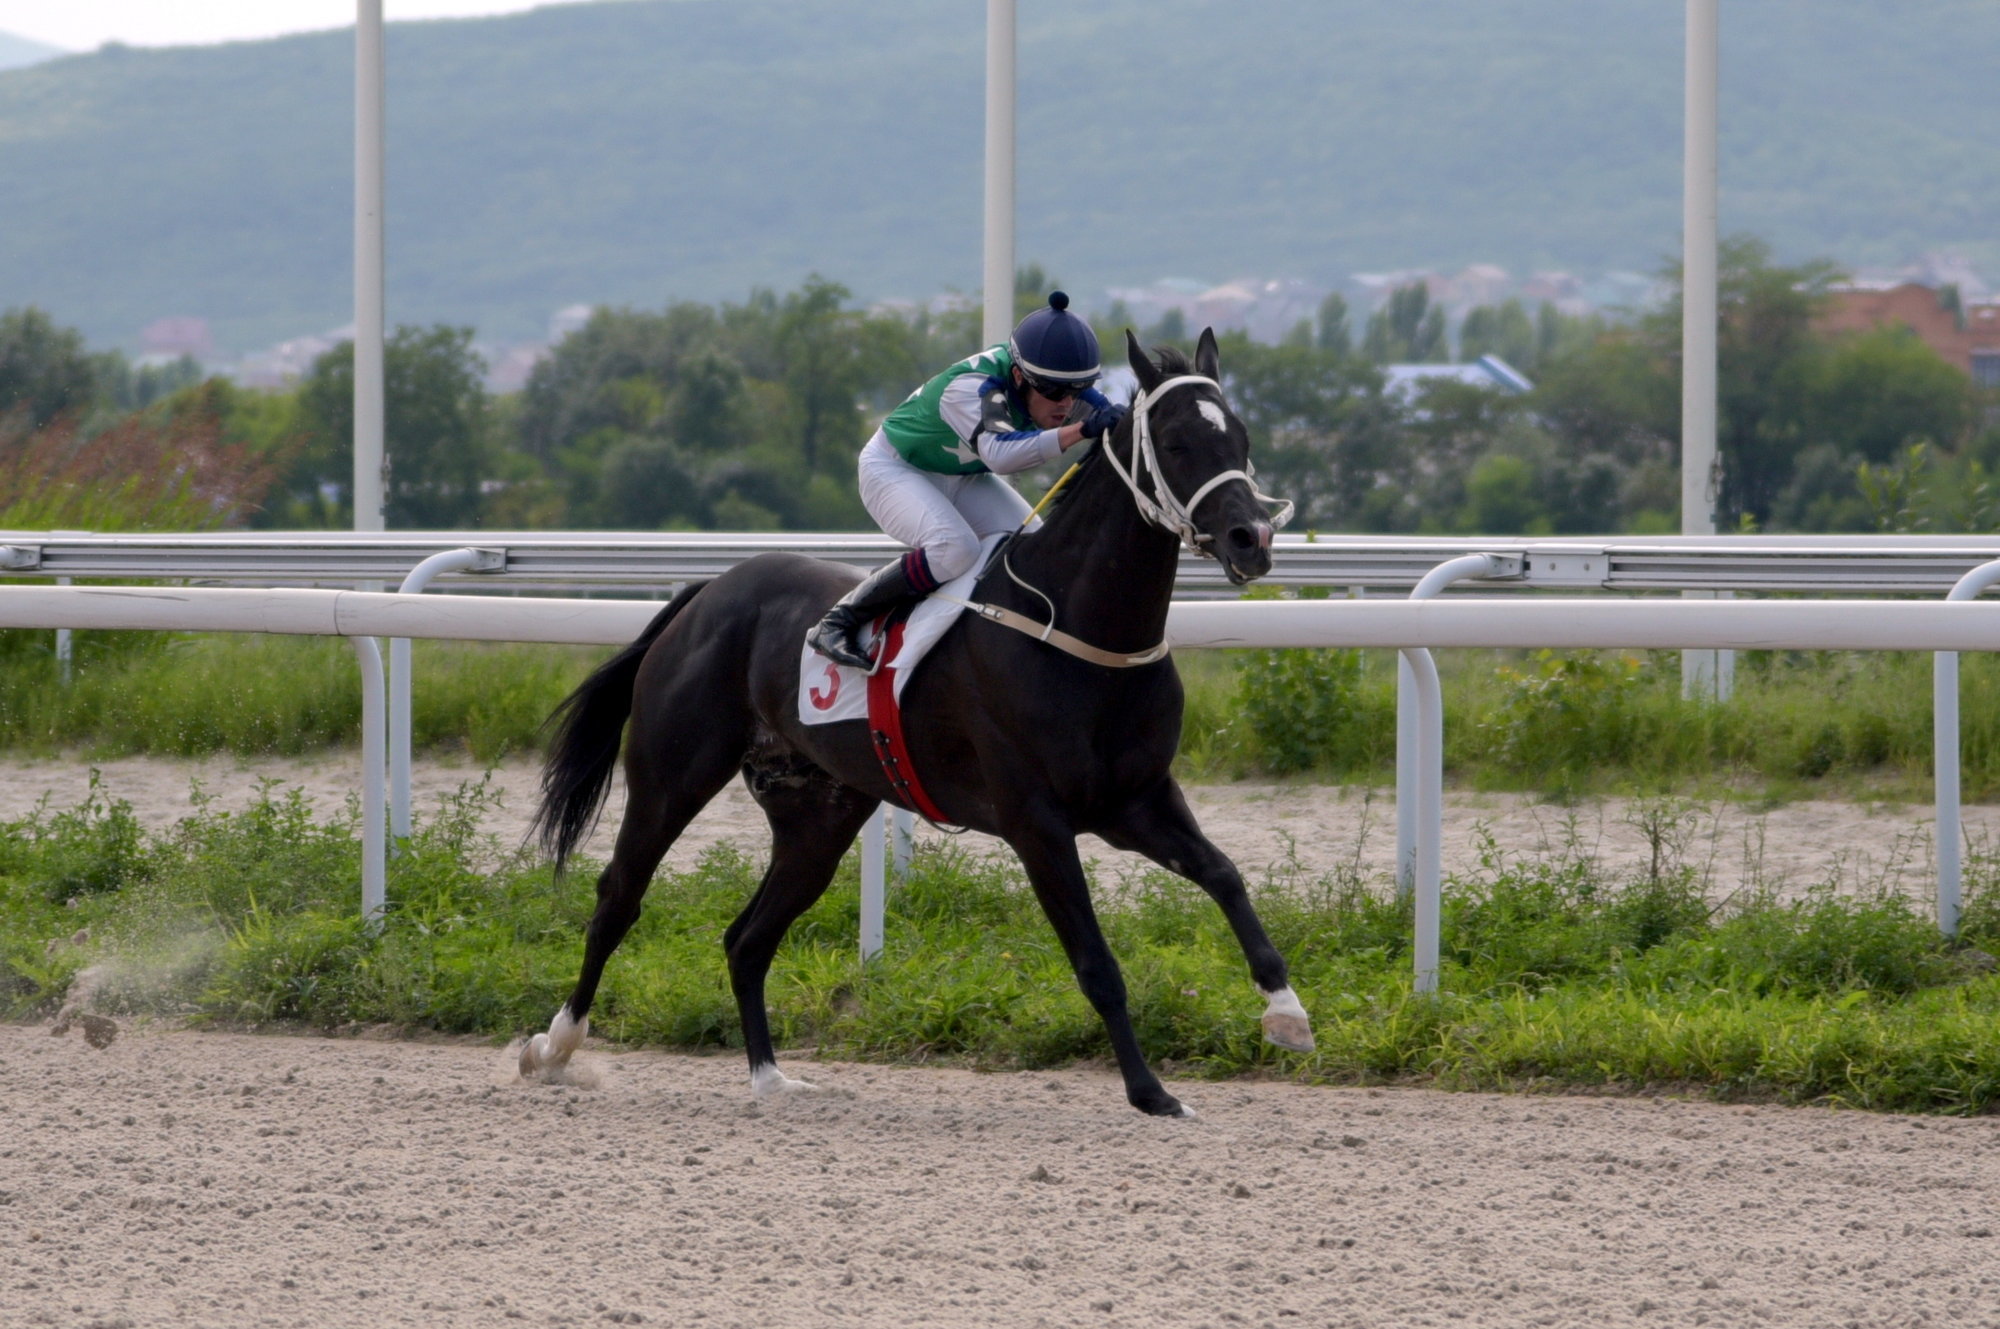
[1408,724]
[64,646]
[902,841]
[998,270]
[374,794]
[420,576]
[1702,672]
[1945,756]
[873,893]
[368,279]
[1430,813]
[1944,768]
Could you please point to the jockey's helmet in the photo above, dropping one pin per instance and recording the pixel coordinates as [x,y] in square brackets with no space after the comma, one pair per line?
[1054,346]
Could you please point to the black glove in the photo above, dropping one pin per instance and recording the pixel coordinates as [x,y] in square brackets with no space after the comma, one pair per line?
[1102,420]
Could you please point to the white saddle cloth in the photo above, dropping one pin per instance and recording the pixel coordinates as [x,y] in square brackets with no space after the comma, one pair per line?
[830,692]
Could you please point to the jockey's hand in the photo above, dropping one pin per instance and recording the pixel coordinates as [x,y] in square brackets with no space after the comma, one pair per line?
[1102,420]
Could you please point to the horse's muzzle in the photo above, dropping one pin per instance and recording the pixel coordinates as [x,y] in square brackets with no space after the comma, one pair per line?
[1245,551]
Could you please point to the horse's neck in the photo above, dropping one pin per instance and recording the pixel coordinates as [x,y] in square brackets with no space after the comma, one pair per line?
[1109,572]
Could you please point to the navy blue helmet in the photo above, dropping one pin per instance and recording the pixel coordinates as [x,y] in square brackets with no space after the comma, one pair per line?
[1054,346]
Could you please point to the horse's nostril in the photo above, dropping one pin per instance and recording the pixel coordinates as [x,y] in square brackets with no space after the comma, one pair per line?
[1243,537]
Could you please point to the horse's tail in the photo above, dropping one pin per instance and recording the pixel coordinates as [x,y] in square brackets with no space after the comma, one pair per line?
[589,724]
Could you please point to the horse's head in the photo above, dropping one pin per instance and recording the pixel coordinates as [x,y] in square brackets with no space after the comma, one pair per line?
[1200,458]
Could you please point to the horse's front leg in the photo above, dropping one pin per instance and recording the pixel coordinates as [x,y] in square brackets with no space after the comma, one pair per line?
[1160,826]
[1047,848]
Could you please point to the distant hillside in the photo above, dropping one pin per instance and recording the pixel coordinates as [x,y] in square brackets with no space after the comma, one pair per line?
[631,152]
[18,51]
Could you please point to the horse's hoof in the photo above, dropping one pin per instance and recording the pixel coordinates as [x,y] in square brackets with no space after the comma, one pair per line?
[1291,1032]
[1162,1104]
[548,1054]
[767,1082]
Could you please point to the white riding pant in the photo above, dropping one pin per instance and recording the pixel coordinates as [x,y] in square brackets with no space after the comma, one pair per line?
[946,516]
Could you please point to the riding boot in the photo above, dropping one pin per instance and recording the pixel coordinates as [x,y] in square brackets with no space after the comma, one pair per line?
[838,635]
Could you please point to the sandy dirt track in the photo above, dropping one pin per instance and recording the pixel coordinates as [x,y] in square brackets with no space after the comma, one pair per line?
[201,1179]
[1311,828]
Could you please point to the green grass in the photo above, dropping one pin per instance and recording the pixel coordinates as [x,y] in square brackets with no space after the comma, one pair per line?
[188,695]
[1820,724]
[1553,974]
[1825,724]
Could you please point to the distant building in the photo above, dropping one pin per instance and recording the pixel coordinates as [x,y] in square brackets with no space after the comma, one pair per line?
[1966,335]
[1488,371]
[173,338]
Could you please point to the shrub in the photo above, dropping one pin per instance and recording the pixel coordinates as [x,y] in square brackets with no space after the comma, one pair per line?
[1302,706]
[1565,713]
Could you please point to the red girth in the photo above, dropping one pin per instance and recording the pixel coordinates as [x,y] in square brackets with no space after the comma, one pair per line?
[885,728]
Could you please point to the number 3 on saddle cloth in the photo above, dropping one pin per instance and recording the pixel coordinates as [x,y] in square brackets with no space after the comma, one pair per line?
[829,692]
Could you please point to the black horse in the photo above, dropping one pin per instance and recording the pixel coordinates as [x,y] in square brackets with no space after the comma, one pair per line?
[1008,734]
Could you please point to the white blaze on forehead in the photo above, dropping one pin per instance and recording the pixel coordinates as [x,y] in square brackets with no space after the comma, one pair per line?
[1214,415]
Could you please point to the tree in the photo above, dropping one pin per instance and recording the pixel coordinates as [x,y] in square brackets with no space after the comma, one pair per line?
[1875,393]
[819,365]
[121,386]
[1503,330]
[435,431]
[588,382]
[1764,351]
[44,369]
[1333,335]
[1406,330]
[1321,429]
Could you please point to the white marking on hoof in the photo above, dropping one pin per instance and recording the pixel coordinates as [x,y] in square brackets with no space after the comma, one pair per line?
[767,1081]
[546,1054]
[1189,1112]
[1285,1022]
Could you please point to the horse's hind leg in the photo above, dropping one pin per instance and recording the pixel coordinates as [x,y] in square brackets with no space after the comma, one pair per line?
[1160,826]
[667,784]
[813,821]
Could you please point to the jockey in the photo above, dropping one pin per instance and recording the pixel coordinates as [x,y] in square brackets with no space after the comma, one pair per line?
[931,474]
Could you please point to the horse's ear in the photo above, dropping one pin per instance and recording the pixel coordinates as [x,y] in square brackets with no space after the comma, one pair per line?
[1142,364]
[1205,361]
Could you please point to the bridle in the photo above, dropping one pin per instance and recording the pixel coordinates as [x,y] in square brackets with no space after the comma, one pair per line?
[1160,507]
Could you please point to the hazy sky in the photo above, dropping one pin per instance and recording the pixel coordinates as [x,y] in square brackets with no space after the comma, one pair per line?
[83,25]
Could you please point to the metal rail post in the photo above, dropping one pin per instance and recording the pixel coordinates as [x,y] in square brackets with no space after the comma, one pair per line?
[1420,767]
[1945,756]
[896,824]
[420,576]
[902,841]
[873,842]
[65,646]
[374,731]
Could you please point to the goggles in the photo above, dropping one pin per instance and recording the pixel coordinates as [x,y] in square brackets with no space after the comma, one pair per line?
[1053,389]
